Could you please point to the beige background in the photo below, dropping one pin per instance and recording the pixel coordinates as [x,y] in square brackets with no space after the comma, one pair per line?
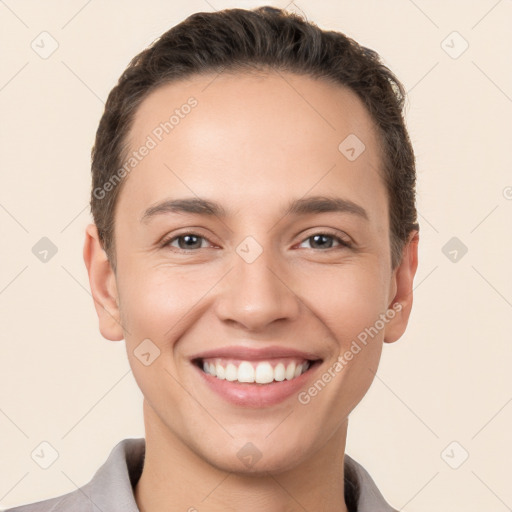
[448,379]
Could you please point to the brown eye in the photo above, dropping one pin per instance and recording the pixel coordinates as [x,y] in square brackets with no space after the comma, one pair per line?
[186,242]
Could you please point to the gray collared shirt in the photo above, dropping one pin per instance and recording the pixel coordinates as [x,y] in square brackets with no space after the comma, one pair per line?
[111,488]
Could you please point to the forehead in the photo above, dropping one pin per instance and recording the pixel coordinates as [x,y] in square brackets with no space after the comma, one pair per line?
[242,137]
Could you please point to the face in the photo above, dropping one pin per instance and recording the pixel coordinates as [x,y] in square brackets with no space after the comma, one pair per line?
[252,243]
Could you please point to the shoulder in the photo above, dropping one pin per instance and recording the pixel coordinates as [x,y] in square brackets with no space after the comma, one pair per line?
[111,487]
[75,501]
[369,498]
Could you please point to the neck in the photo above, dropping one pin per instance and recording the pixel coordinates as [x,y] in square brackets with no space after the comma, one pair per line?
[176,479]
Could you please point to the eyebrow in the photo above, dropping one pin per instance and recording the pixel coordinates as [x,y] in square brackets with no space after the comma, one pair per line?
[303,206]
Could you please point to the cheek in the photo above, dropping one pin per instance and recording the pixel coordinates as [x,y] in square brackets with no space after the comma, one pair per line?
[347,301]
[159,303]
[351,310]
[157,306]
[154,303]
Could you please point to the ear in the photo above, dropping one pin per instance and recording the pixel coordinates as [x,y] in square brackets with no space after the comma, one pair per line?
[103,285]
[401,297]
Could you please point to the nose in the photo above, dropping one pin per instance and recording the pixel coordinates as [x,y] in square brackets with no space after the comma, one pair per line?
[255,294]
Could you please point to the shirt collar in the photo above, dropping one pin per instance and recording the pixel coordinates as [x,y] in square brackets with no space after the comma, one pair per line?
[111,488]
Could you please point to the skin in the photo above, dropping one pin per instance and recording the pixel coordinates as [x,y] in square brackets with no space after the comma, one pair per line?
[253,143]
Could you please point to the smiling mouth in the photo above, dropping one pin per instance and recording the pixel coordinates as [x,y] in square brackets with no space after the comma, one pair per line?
[255,372]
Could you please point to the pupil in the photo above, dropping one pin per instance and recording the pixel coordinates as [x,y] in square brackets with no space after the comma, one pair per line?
[316,237]
[189,238]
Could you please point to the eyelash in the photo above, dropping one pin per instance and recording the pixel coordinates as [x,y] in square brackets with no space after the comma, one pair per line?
[343,244]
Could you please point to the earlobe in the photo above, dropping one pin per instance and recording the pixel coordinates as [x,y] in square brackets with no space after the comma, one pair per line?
[103,285]
[403,278]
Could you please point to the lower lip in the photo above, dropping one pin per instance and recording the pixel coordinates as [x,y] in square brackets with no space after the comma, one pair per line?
[256,395]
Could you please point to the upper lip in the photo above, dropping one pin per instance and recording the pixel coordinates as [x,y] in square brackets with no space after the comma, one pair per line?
[255,354]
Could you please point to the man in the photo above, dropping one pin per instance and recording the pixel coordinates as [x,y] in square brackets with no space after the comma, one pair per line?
[254,243]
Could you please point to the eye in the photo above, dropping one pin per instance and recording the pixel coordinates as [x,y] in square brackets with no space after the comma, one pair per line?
[186,242]
[324,240]
[189,241]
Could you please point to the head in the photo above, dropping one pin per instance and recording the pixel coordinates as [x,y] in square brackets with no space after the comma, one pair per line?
[284,136]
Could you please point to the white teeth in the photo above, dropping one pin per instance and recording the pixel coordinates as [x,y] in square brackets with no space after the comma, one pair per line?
[231,372]
[221,374]
[261,373]
[264,373]
[245,372]
[290,371]
[279,372]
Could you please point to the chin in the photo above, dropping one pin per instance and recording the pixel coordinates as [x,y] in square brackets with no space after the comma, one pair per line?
[257,458]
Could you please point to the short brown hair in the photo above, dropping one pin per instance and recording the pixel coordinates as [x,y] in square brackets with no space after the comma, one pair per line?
[266,38]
